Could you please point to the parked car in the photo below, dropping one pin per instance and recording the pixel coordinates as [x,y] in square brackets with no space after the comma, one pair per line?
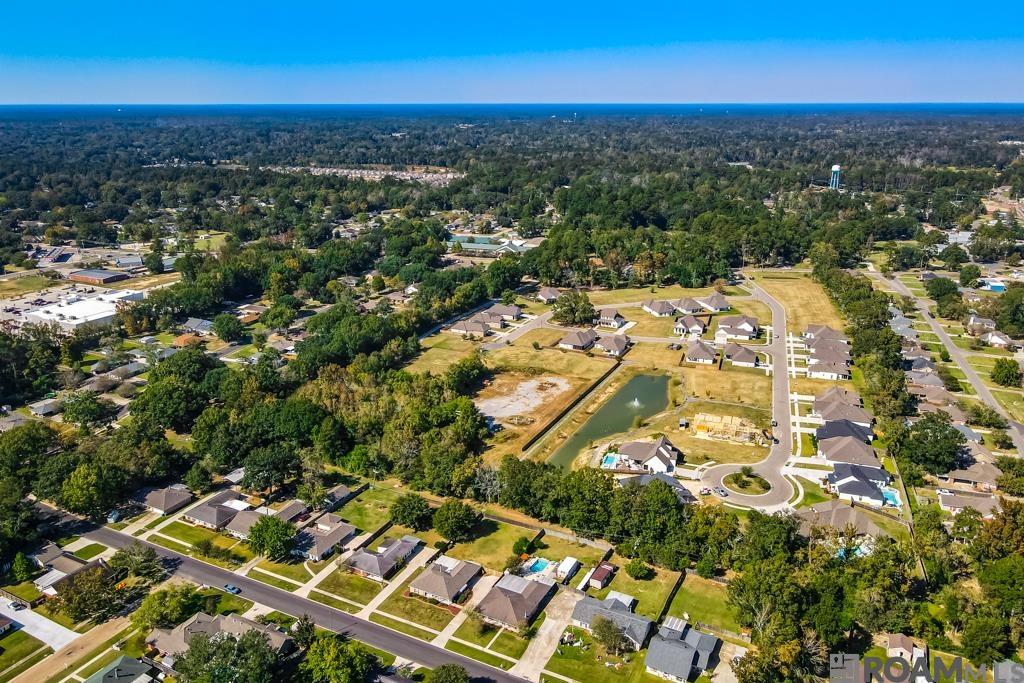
[232,588]
[719,491]
[775,423]
[705,491]
[16,606]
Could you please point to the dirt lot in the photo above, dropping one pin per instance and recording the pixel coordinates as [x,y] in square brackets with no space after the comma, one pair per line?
[511,395]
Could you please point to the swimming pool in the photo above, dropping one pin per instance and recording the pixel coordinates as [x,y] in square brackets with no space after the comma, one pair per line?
[538,565]
[608,462]
[891,497]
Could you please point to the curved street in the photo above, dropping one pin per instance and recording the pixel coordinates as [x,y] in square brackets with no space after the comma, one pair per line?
[771,467]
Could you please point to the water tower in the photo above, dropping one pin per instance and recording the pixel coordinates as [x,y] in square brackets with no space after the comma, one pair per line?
[833,183]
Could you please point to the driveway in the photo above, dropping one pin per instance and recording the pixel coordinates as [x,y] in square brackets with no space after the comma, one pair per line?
[771,467]
[39,627]
[542,646]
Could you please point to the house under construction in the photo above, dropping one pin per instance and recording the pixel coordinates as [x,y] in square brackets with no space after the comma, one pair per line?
[727,428]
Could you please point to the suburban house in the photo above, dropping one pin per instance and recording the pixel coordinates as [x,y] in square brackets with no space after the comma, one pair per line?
[736,327]
[679,652]
[610,317]
[578,340]
[740,356]
[840,410]
[928,276]
[997,339]
[59,565]
[336,496]
[507,312]
[322,537]
[379,564]
[617,608]
[292,511]
[5,624]
[241,523]
[848,449]
[714,303]
[923,379]
[175,641]
[955,503]
[126,669]
[836,428]
[492,320]
[839,516]
[602,575]
[470,328]
[661,309]
[701,352]
[981,476]
[823,332]
[919,364]
[412,289]
[859,484]
[445,579]
[836,394]
[198,326]
[217,511]
[168,500]
[548,295]
[658,456]
[48,407]
[687,305]
[689,325]
[903,646]
[514,601]
[977,325]
[829,370]
[682,493]
[613,344]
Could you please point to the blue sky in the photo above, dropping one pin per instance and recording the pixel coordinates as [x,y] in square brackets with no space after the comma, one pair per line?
[344,51]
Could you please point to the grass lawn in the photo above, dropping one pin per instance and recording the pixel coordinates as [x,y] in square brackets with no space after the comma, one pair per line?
[1014,403]
[647,325]
[10,287]
[90,551]
[333,602]
[369,510]
[441,351]
[415,608]
[224,602]
[731,384]
[512,644]
[813,493]
[478,655]
[107,658]
[429,537]
[558,549]
[752,486]
[651,594]
[493,544]
[350,586]
[26,590]
[705,601]
[401,626]
[804,300]
[629,295]
[294,569]
[59,617]
[522,356]
[581,663]
[271,580]
[170,545]
[186,533]
[16,646]
[283,620]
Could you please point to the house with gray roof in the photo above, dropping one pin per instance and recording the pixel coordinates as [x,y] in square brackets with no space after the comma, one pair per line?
[837,515]
[578,340]
[829,370]
[836,428]
[445,579]
[167,500]
[740,355]
[610,317]
[322,537]
[548,295]
[737,327]
[859,484]
[701,352]
[617,608]
[125,669]
[175,641]
[660,309]
[923,379]
[816,331]
[679,652]
[981,476]
[242,523]
[840,410]
[514,601]
[688,305]
[659,455]
[336,496]
[470,328]
[956,503]
[198,326]
[714,302]
[379,564]
[682,493]
[848,449]
[689,324]
[612,344]
[506,311]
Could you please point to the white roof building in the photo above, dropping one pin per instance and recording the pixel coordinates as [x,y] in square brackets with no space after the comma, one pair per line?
[78,311]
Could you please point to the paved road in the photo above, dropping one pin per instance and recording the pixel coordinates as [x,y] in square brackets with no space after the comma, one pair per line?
[1016,430]
[327,617]
[39,627]
[771,467]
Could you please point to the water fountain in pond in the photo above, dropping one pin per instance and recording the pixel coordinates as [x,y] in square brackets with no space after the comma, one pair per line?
[635,403]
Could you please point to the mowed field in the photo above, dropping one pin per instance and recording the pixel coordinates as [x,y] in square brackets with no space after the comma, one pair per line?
[804,300]
[26,283]
[441,351]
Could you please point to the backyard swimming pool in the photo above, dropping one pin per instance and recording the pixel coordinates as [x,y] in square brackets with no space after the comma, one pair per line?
[891,497]
[538,565]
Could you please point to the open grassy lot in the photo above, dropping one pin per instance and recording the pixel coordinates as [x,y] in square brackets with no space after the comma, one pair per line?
[531,306]
[804,300]
[292,569]
[753,308]
[414,608]
[650,594]
[1012,402]
[656,355]
[15,647]
[10,287]
[441,351]
[558,549]
[629,295]
[492,545]
[477,654]
[350,586]
[704,600]
[401,626]
[744,386]
[149,281]
[592,664]
[647,325]
[369,510]
[429,537]
[813,493]
[522,356]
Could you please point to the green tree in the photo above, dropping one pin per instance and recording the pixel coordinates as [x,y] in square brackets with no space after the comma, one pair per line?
[90,594]
[167,607]
[412,511]
[198,478]
[228,327]
[933,444]
[330,659]
[573,308]
[22,568]
[969,274]
[137,560]
[455,520]
[985,639]
[448,673]
[638,569]
[247,659]
[304,631]
[1006,373]
[941,287]
[608,634]
[271,536]
[85,491]
[154,260]
[84,409]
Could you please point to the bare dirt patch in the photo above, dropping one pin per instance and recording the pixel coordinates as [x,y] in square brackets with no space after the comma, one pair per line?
[512,396]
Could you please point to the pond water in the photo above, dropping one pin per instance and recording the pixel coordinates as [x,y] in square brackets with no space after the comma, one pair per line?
[643,395]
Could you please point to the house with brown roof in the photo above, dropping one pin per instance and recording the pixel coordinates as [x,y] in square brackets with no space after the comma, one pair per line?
[660,309]
[836,394]
[849,450]
[701,352]
[714,302]
[514,601]
[840,410]
[659,455]
[322,537]
[689,324]
[578,340]
[740,356]
[830,370]
[981,476]
[445,579]
[612,344]
[816,331]
[167,500]
[176,641]
[602,575]
[736,327]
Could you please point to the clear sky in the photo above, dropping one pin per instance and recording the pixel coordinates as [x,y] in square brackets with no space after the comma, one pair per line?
[342,51]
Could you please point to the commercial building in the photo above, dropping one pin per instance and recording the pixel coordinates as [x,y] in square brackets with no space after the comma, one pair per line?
[75,311]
